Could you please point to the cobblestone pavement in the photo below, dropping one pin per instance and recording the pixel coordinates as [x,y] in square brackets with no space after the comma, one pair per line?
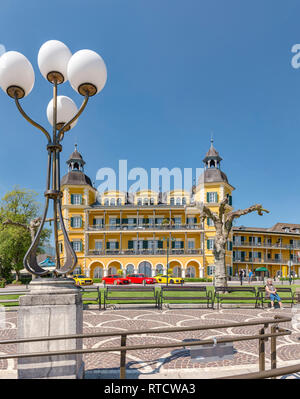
[153,361]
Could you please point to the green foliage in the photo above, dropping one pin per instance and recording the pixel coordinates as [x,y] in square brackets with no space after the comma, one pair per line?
[19,206]
[2,282]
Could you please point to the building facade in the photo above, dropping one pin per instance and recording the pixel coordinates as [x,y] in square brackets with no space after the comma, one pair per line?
[137,232]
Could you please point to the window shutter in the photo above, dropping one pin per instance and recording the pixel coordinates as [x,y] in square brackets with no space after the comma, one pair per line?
[182,244]
[195,220]
[94,222]
[207,197]
[80,224]
[230,200]
[107,245]
[230,247]
[173,244]
[207,243]
[145,244]
[216,196]
[160,244]
[72,198]
[130,244]
[80,246]
[117,245]
[72,222]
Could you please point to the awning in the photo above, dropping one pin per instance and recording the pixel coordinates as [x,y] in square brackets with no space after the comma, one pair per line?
[261,269]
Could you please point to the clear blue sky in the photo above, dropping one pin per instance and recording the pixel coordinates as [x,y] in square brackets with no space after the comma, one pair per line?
[177,70]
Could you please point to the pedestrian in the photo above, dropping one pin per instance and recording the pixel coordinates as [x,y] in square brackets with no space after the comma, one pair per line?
[271,293]
[250,276]
[241,274]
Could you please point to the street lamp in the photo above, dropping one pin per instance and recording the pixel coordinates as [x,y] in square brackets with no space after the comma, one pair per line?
[86,72]
[290,264]
[168,239]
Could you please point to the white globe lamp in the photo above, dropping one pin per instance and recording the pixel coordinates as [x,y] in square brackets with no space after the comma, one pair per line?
[53,58]
[87,72]
[16,74]
[66,110]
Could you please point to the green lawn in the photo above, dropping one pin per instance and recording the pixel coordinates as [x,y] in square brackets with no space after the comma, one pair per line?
[149,294]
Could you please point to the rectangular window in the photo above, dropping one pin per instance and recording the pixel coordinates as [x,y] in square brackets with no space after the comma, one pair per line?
[76,199]
[98,222]
[76,221]
[191,244]
[212,196]
[209,221]
[98,245]
[77,246]
[210,270]
[210,244]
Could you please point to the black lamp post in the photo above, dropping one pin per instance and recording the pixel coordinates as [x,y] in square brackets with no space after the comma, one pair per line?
[87,74]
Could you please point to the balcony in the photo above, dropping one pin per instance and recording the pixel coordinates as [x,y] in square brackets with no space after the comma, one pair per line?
[157,252]
[266,245]
[282,261]
[145,227]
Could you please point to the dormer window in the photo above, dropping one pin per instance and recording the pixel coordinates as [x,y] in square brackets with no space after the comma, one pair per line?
[178,201]
[146,201]
[119,201]
[113,202]
[139,201]
[172,201]
[286,229]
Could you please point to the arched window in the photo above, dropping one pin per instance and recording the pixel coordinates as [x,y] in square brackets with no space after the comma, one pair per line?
[190,272]
[176,271]
[98,272]
[119,201]
[159,269]
[146,201]
[178,201]
[113,202]
[183,201]
[145,268]
[139,201]
[172,201]
[129,269]
[112,270]
[151,201]
[106,202]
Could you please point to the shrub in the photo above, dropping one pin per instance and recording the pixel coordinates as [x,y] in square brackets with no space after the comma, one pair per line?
[17,282]
[2,283]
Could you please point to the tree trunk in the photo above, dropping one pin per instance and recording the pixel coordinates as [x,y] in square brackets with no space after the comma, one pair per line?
[220,268]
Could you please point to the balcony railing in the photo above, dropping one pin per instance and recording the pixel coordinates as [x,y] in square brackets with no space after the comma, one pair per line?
[145,226]
[282,261]
[266,245]
[144,252]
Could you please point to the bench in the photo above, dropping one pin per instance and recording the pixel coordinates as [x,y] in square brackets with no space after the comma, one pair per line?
[200,294]
[92,290]
[262,298]
[223,294]
[116,293]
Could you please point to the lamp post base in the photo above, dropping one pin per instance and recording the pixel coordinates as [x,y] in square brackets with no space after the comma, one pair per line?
[52,307]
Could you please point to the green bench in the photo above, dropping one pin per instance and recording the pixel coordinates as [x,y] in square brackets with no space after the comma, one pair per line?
[119,293]
[287,291]
[199,294]
[223,294]
[94,295]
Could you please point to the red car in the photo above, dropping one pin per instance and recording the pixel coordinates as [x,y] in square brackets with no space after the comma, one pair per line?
[115,280]
[140,279]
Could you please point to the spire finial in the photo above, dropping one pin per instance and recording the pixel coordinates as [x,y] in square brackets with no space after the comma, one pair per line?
[76,146]
[212,138]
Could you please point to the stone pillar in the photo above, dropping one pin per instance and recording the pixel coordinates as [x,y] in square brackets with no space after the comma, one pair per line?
[52,307]
[201,272]
[183,273]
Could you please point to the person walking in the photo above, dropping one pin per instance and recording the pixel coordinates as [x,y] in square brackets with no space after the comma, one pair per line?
[250,276]
[241,274]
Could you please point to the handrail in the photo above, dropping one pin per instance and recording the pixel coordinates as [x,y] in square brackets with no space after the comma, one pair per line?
[261,337]
[267,373]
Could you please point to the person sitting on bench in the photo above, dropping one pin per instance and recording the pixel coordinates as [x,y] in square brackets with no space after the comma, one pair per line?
[272,293]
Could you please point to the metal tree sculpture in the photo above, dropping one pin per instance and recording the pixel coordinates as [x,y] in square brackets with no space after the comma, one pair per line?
[223,224]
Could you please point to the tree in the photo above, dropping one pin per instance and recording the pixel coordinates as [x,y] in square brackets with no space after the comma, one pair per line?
[223,222]
[19,222]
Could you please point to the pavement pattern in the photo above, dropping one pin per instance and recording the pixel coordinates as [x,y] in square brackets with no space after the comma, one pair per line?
[152,363]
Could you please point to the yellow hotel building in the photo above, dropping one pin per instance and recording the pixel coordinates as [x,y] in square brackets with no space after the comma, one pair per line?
[131,232]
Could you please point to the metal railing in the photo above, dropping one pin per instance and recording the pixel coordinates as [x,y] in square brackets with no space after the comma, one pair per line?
[262,337]
[145,226]
[282,261]
[144,252]
[266,245]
